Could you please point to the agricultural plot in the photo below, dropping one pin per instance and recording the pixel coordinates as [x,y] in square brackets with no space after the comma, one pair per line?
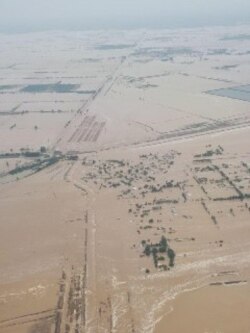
[88,131]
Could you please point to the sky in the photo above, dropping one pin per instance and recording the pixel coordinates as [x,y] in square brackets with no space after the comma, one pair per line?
[96,14]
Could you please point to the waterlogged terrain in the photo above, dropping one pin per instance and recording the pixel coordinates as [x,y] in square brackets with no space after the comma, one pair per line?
[240,93]
[125,181]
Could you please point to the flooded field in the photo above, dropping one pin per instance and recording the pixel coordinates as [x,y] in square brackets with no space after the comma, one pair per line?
[125,181]
[241,93]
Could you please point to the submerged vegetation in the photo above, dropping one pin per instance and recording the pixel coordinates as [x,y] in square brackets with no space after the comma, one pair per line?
[36,166]
[32,161]
[159,252]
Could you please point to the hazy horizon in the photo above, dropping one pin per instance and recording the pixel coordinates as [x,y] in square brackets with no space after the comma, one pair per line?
[31,15]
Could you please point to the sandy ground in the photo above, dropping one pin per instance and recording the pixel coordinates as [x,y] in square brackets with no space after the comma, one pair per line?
[131,151]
